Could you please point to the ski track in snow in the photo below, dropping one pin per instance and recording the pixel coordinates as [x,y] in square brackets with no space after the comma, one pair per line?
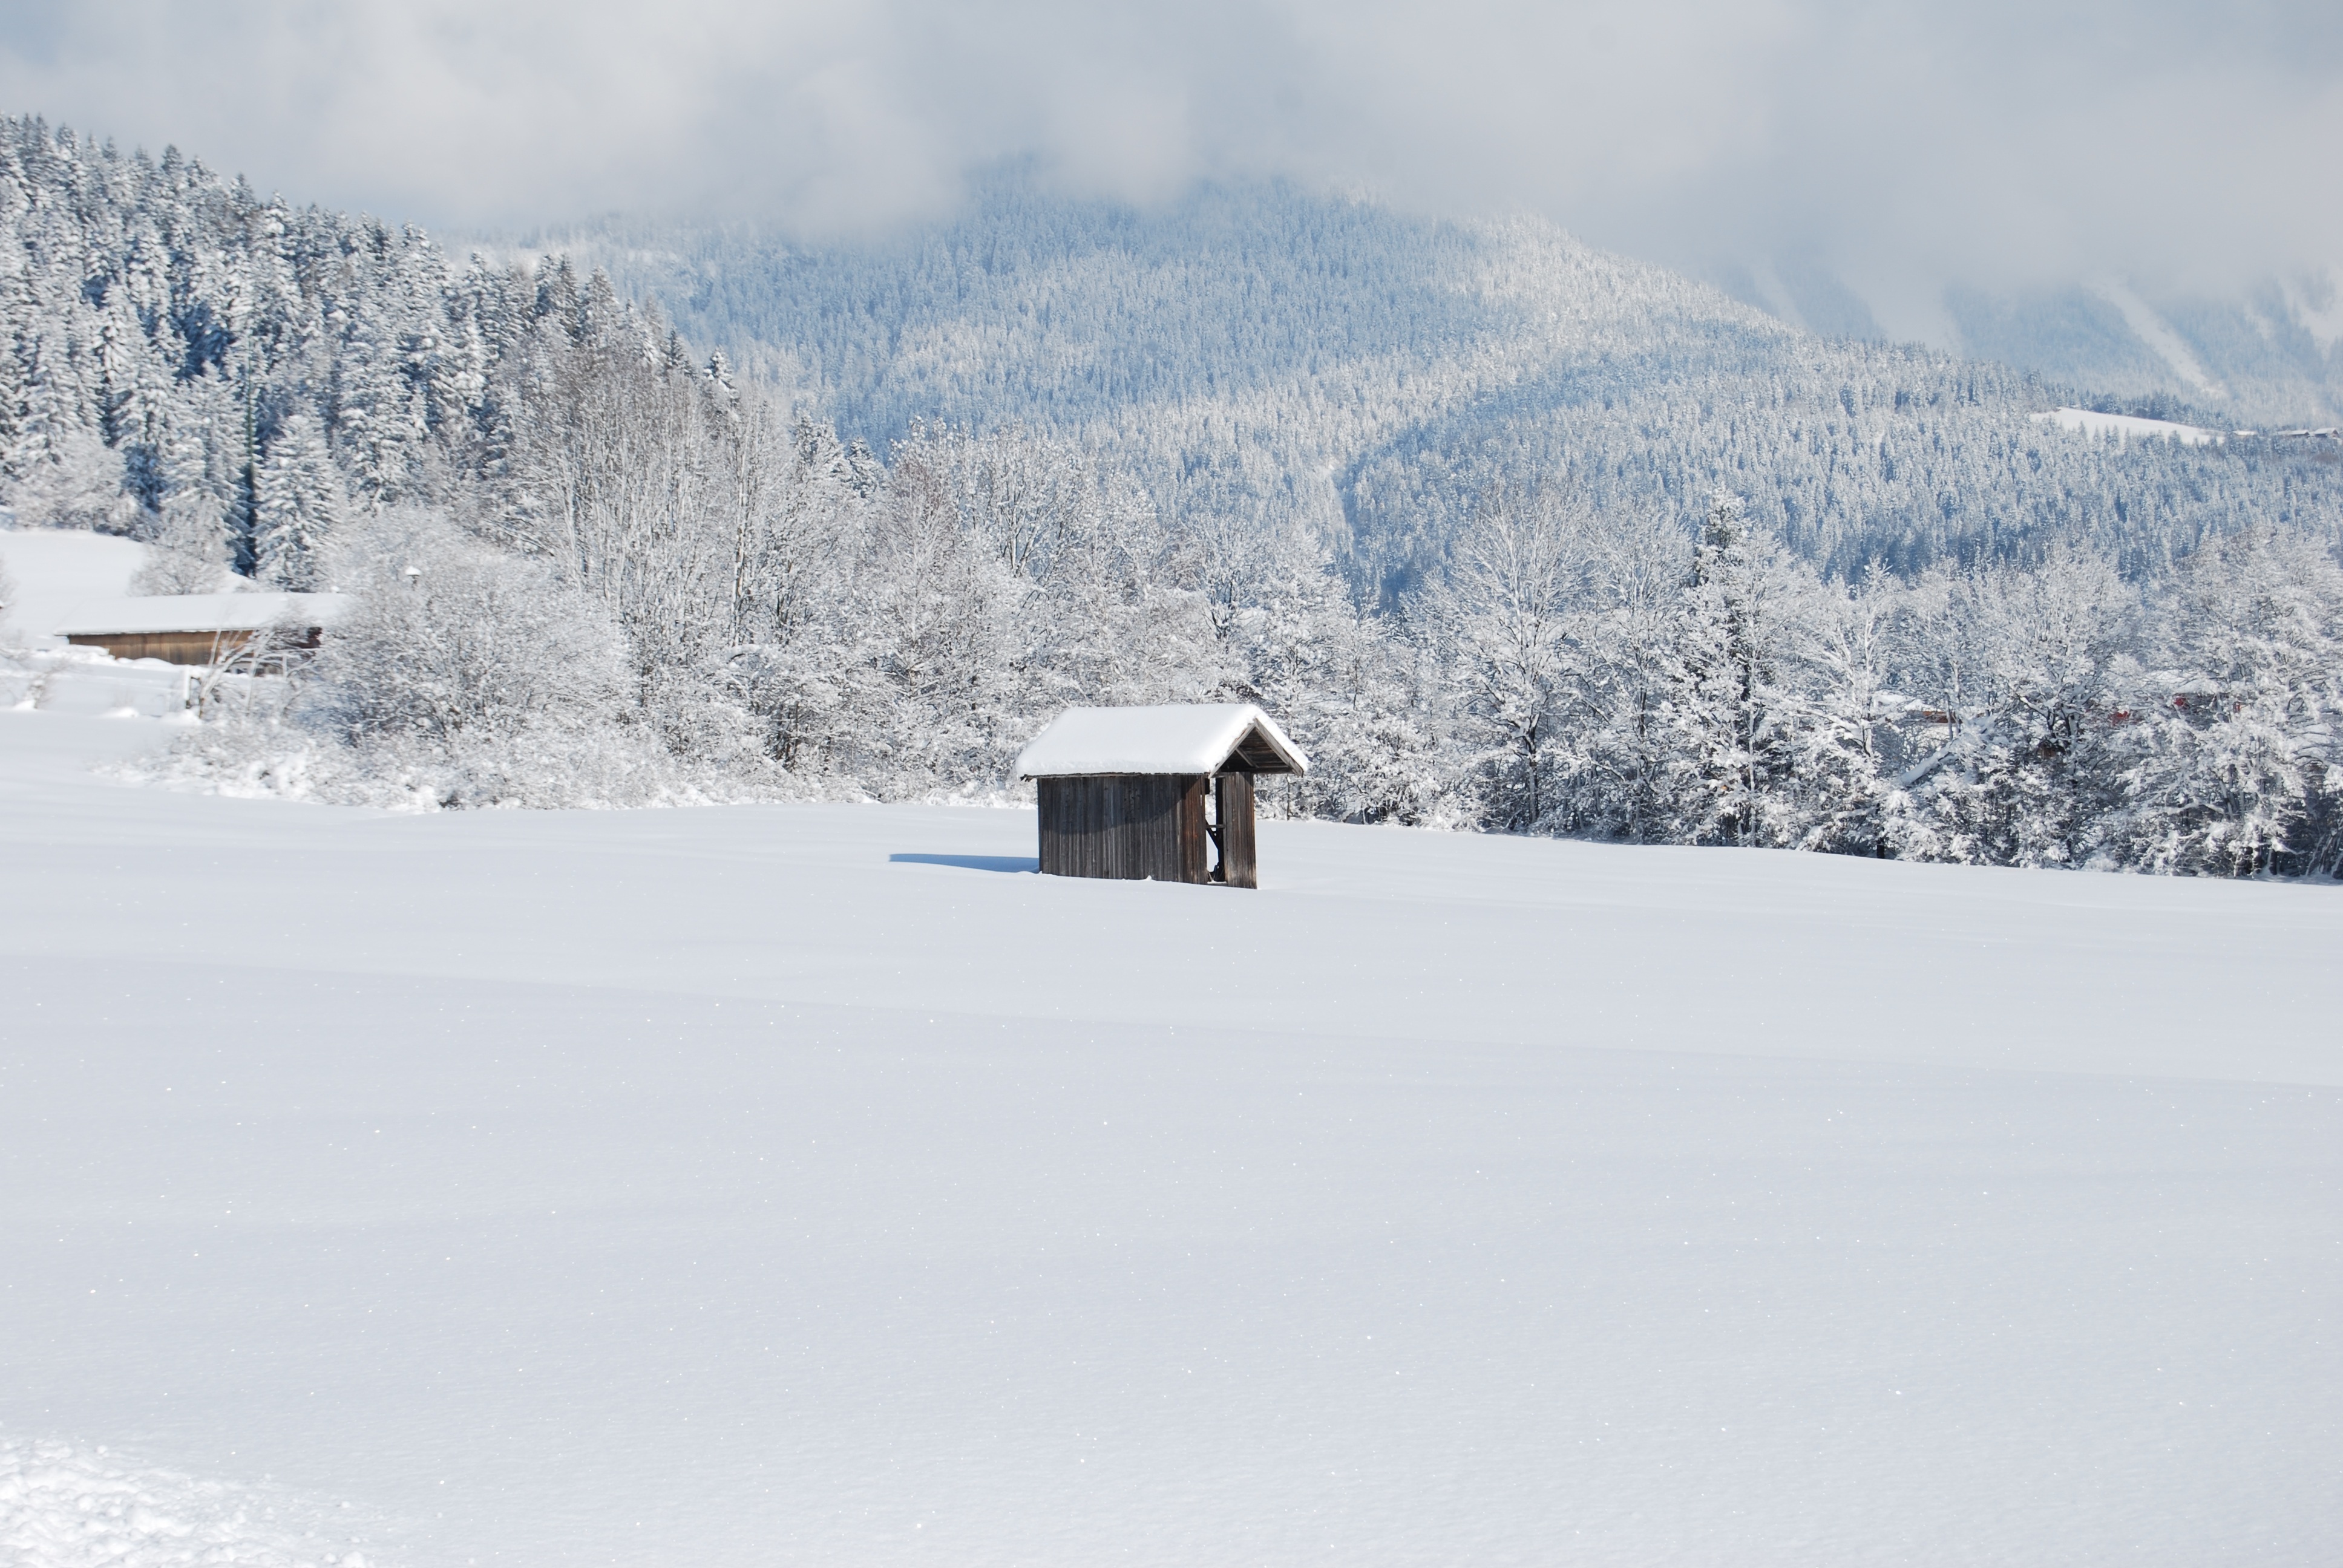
[813,1185]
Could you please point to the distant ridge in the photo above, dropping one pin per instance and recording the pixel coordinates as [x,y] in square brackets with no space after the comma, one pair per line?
[1269,351]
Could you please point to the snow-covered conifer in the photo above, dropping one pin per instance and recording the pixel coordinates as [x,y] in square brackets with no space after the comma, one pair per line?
[2230,743]
[298,503]
[1620,777]
[1737,706]
[2025,670]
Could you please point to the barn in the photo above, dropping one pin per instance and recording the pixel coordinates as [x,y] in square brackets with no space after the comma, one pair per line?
[201,627]
[1153,792]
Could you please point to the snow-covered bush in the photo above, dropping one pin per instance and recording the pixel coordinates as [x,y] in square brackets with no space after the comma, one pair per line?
[68,478]
[186,549]
[451,638]
[535,768]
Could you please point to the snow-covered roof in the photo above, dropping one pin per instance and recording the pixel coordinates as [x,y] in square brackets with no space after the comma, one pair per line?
[205,612]
[1190,738]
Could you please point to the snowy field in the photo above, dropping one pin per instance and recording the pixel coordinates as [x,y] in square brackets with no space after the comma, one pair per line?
[816,1185]
[60,575]
[2131,427]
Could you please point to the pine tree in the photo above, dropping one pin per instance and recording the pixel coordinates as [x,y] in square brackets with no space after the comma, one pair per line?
[1619,741]
[1847,804]
[298,504]
[1737,711]
[375,414]
[2230,737]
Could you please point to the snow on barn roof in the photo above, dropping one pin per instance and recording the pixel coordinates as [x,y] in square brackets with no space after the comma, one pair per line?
[205,612]
[1190,738]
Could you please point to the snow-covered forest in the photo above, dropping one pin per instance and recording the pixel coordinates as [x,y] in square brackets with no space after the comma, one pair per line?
[1274,352]
[1511,534]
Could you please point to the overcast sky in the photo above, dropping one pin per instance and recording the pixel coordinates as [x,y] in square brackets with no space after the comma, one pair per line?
[1986,140]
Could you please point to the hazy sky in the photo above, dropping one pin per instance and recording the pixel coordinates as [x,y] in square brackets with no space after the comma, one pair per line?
[1984,139]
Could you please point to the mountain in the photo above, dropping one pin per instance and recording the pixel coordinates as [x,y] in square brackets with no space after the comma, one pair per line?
[2271,355]
[1273,352]
[1256,355]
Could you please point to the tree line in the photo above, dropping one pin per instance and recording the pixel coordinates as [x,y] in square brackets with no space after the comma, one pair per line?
[1607,674]
[594,566]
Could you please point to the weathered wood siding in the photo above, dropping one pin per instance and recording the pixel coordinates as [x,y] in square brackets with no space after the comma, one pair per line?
[177,647]
[1233,805]
[1125,825]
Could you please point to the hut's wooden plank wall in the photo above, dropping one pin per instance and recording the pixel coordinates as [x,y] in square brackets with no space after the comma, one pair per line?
[1233,805]
[1128,826]
[177,647]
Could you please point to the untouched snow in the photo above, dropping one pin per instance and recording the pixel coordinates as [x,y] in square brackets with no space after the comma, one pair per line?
[83,682]
[815,1184]
[1181,737]
[2128,425]
[58,572]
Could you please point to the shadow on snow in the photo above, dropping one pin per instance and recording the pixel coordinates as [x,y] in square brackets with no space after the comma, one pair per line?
[971,862]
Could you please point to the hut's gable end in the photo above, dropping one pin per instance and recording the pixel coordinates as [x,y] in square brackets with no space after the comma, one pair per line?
[1257,753]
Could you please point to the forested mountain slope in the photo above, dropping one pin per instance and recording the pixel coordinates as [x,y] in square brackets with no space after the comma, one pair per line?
[181,350]
[2268,353]
[2271,355]
[1270,351]
[1430,492]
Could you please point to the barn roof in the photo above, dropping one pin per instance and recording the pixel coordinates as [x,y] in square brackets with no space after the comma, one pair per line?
[1192,738]
[205,612]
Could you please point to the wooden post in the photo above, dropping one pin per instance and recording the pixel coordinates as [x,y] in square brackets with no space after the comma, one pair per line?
[1195,845]
[1233,796]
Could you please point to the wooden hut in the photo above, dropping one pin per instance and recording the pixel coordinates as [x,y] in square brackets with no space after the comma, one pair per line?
[202,627]
[1150,792]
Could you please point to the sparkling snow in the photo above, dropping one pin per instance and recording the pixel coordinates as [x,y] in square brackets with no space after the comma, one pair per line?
[63,1507]
[815,1184]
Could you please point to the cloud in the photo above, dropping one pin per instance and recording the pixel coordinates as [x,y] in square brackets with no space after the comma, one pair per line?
[1895,144]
